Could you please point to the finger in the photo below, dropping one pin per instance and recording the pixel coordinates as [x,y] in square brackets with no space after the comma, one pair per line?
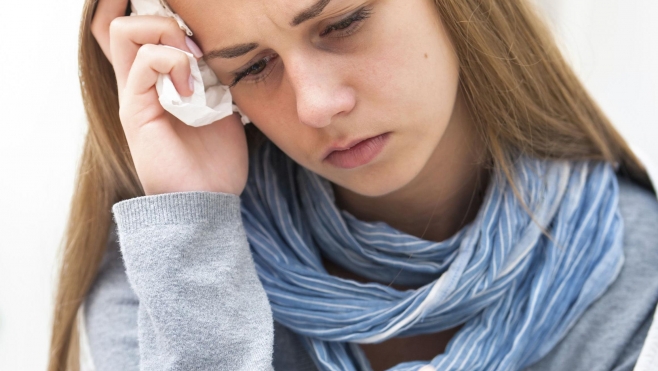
[128,34]
[150,62]
[106,11]
[153,60]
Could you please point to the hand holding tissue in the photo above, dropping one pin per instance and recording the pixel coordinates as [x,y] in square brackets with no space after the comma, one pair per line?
[211,101]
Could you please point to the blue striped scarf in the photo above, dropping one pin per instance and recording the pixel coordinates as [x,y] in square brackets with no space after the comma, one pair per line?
[515,291]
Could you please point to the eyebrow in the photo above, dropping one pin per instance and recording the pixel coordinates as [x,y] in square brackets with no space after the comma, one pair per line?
[241,49]
[310,12]
[232,51]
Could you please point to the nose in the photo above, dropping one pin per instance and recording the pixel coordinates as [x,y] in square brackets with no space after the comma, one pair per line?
[320,89]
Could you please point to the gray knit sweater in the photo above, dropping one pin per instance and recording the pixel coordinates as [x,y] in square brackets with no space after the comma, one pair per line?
[177,290]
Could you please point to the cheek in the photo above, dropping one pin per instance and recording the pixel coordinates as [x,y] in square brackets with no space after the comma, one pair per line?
[270,113]
[410,76]
[276,117]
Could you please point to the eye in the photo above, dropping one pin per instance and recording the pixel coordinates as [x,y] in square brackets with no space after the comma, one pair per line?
[258,70]
[346,24]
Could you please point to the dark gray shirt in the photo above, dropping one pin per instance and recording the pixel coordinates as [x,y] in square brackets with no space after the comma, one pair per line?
[177,290]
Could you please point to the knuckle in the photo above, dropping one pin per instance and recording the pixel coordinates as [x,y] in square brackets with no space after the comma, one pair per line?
[173,29]
[117,25]
[146,51]
[171,22]
[182,60]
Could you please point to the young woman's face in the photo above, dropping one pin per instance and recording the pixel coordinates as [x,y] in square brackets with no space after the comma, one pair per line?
[319,75]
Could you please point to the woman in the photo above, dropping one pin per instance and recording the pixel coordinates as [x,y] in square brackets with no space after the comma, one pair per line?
[434,189]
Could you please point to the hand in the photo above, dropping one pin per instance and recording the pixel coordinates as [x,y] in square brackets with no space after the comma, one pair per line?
[169,156]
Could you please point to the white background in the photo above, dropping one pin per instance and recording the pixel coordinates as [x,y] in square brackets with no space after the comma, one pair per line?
[613,45]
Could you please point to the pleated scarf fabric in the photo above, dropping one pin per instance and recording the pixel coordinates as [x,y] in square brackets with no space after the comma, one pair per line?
[515,291]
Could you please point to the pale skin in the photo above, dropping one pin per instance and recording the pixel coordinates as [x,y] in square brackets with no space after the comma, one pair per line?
[394,71]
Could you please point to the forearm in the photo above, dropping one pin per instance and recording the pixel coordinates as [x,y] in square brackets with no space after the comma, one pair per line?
[201,305]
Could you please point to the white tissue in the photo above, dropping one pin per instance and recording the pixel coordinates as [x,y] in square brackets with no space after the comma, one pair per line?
[211,100]
[202,107]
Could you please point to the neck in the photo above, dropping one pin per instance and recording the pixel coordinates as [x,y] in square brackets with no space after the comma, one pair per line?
[444,197]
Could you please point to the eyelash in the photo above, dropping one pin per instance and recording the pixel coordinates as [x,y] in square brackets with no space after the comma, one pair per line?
[345,25]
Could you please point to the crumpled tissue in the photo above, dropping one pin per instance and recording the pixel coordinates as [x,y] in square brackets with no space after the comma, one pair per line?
[211,101]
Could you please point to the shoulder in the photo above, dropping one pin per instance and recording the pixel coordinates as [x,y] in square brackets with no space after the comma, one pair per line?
[610,334]
[639,210]
[637,285]
[639,276]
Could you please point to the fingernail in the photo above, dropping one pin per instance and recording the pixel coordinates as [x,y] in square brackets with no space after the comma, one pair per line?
[191,82]
[194,48]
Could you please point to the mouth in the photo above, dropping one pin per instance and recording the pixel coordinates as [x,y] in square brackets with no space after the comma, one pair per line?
[357,153]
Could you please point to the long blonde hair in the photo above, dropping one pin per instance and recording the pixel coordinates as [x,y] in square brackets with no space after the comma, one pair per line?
[523,96]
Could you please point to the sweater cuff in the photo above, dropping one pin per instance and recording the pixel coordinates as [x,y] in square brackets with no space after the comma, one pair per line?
[182,208]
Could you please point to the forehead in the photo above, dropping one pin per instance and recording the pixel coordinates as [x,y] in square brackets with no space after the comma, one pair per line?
[212,18]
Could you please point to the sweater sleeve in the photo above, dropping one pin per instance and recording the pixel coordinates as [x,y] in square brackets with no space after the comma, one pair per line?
[196,299]
[110,316]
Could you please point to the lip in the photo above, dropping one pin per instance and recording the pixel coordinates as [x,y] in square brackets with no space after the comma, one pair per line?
[357,153]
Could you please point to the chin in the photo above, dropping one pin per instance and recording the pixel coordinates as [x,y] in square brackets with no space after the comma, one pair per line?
[378,181]
[380,190]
